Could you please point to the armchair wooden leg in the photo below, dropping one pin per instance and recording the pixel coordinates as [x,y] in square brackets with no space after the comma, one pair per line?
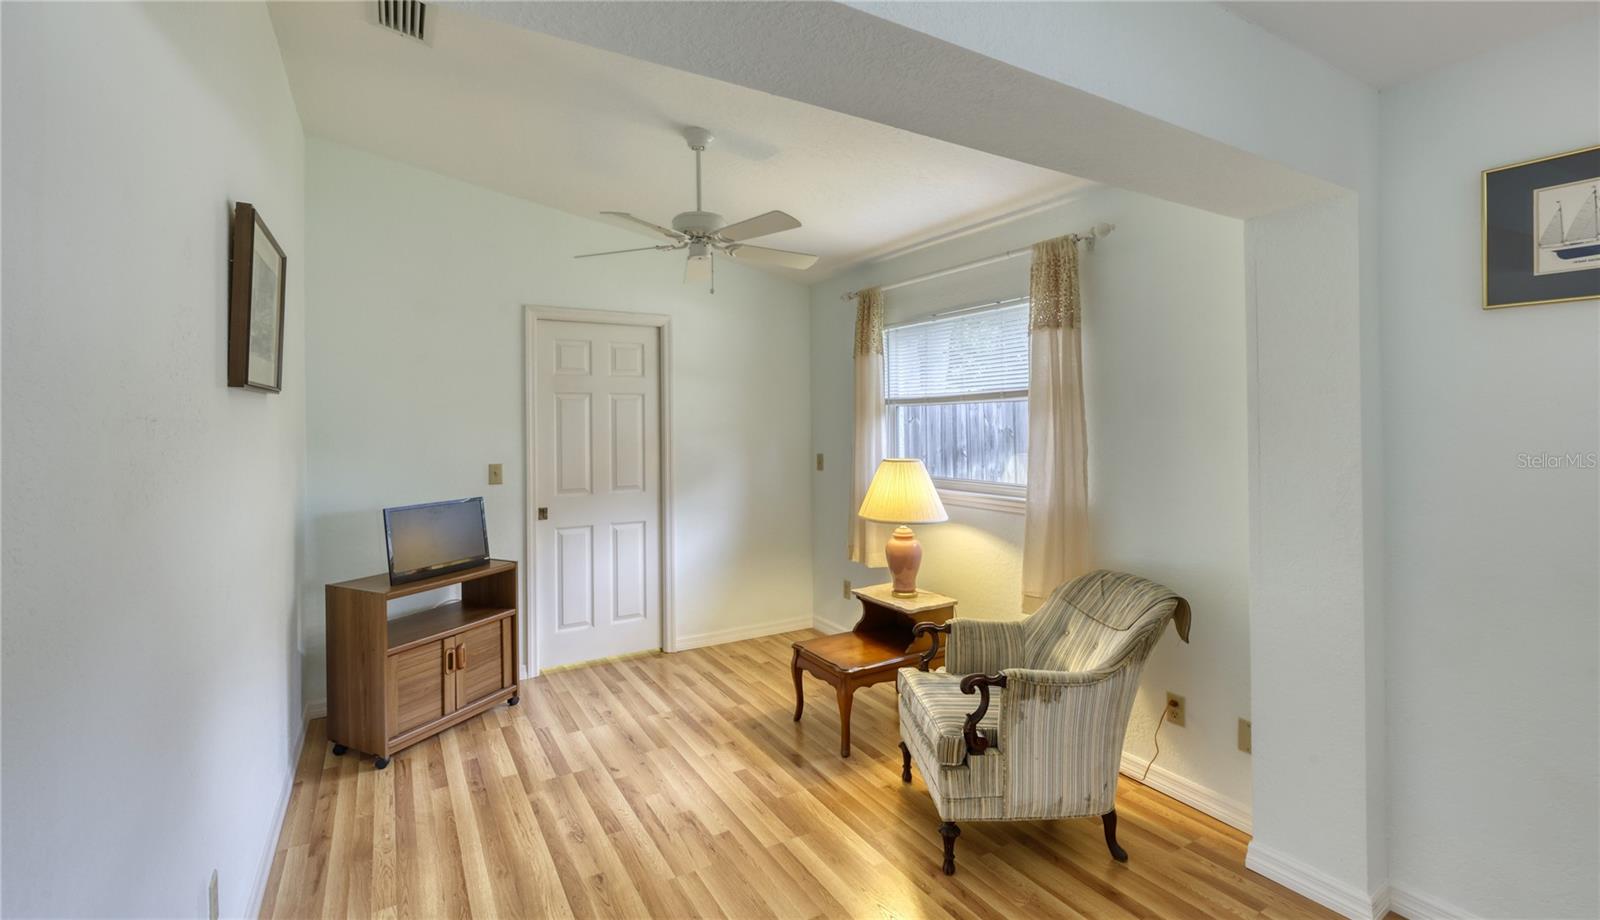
[949,832]
[1109,819]
[905,763]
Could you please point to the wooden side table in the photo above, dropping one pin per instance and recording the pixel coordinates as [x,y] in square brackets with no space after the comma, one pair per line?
[880,644]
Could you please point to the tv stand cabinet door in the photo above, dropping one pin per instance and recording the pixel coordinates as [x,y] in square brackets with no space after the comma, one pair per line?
[420,691]
[480,662]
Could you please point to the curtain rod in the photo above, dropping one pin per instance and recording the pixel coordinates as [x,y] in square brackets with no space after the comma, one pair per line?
[1093,233]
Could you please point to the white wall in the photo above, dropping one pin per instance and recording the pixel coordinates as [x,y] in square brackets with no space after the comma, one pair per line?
[1164,355]
[1493,585]
[1318,719]
[417,286]
[151,688]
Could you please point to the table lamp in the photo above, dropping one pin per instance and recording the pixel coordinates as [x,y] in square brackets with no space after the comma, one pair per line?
[901,493]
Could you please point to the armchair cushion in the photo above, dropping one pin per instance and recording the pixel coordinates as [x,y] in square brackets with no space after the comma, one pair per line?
[937,710]
[984,646]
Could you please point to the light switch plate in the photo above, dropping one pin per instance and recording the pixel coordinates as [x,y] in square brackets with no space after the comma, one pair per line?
[847,589]
[1244,735]
[496,474]
[819,463]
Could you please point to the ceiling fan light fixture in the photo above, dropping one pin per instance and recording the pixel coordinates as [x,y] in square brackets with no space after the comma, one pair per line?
[704,232]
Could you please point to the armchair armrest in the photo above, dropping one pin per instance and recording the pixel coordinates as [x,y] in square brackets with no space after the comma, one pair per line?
[977,741]
[932,631]
[984,646]
[1042,678]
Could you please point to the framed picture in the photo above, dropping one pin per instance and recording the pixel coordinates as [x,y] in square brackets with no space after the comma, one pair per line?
[1541,230]
[255,304]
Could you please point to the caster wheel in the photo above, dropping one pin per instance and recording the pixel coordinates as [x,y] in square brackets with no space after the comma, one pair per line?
[380,762]
[339,750]
[514,701]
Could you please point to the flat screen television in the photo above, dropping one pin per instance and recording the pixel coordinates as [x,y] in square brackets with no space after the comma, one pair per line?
[435,539]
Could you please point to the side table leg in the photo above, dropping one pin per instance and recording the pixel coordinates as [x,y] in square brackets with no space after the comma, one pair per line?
[846,696]
[799,692]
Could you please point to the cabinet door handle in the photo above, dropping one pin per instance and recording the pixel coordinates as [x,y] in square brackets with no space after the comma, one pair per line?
[449,660]
[461,656]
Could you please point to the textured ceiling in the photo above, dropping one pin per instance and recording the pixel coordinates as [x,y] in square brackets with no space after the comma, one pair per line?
[586,130]
[1386,43]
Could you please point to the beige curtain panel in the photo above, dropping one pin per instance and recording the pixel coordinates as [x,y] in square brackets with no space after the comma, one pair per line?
[867,539]
[1055,543]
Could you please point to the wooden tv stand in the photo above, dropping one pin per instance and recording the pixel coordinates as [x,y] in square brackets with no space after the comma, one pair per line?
[394,682]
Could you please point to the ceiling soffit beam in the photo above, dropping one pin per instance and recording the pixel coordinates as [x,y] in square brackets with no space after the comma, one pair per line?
[851,62]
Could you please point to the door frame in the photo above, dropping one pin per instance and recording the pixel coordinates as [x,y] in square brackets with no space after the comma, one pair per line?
[532,314]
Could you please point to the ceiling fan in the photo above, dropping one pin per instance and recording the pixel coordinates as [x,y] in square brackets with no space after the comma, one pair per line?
[703,233]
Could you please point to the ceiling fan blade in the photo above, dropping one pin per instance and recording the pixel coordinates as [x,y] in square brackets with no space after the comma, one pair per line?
[761,225]
[613,252]
[697,268]
[667,232]
[782,258]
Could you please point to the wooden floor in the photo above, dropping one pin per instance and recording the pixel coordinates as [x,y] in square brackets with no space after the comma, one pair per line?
[678,786]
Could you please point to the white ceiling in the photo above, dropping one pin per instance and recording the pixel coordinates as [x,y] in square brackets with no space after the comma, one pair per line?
[584,130]
[1387,43]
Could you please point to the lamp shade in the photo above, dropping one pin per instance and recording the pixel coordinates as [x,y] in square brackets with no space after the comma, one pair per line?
[902,493]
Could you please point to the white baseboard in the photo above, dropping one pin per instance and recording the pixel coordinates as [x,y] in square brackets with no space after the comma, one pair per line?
[315,709]
[827,626]
[737,633]
[1414,905]
[259,893]
[1229,811]
[1344,899]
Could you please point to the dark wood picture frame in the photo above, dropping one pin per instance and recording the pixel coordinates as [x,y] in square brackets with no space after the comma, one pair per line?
[244,320]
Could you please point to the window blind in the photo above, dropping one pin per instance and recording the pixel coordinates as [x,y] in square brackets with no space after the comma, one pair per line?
[970,354]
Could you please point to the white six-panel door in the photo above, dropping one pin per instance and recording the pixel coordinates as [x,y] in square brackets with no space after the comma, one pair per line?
[597,443]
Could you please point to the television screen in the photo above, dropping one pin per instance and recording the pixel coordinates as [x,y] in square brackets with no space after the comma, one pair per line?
[436,538]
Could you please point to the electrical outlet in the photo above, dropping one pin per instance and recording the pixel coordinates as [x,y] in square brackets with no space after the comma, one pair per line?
[211,895]
[1175,711]
[1244,735]
[819,463]
[496,474]
[847,589]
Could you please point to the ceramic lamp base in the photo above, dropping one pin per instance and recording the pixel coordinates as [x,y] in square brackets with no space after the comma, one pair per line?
[904,554]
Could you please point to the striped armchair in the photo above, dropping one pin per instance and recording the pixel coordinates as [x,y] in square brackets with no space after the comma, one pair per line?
[1026,719]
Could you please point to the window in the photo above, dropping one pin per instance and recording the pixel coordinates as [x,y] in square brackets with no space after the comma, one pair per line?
[956,391]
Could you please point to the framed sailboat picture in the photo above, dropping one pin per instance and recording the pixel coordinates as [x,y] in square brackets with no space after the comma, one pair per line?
[1541,230]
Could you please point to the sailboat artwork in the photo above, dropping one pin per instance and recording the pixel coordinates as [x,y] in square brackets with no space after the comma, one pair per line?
[1541,230]
[1570,216]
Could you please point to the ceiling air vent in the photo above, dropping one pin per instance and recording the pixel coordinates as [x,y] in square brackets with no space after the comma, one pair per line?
[408,17]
